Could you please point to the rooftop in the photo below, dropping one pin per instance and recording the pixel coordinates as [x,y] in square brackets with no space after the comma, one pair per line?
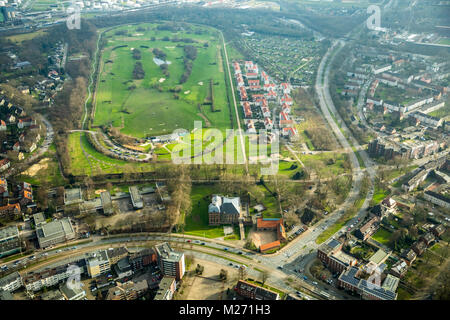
[379,257]
[166,252]
[8,232]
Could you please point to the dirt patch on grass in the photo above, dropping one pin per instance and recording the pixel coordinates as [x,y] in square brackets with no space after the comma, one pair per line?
[207,123]
[208,286]
[34,169]
[262,237]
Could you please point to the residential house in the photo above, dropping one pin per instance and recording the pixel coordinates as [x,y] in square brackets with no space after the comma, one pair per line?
[4,164]
[427,238]
[2,125]
[171,262]
[254,292]
[368,229]
[10,211]
[437,199]
[72,292]
[10,242]
[127,291]
[97,263]
[143,258]
[399,269]
[419,247]
[409,255]
[167,288]
[11,282]
[438,230]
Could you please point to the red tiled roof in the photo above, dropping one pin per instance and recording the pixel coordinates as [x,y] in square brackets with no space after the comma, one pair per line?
[271,245]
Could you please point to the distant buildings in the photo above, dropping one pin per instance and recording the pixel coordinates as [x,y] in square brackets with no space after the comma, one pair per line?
[170,262]
[437,199]
[383,147]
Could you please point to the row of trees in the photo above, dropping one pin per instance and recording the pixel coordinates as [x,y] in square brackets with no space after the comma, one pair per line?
[190,54]
[138,71]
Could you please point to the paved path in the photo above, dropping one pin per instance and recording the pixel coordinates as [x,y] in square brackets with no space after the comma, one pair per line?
[235,104]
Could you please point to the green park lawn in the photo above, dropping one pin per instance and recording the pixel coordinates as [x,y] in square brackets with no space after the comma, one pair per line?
[196,222]
[379,194]
[382,236]
[152,108]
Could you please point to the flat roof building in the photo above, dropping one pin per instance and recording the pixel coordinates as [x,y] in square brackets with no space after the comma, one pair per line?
[136,197]
[379,257]
[107,203]
[254,292]
[171,262]
[55,232]
[72,292]
[97,263]
[9,241]
[11,282]
[72,196]
[39,219]
[167,287]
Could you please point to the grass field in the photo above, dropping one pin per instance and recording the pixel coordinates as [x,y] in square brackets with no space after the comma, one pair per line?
[382,236]
[152,108]
[379,194]
[443,112]
[45,171]
[196,223]
[323,164]
[19,38]
[339,223]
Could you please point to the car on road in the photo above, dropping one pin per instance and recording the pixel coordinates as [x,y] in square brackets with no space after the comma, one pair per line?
[188,240]
[280,267]
[226,249]
[202,243]
[315,283]
[305,278]
[298,293]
